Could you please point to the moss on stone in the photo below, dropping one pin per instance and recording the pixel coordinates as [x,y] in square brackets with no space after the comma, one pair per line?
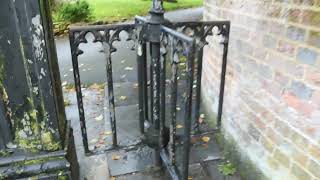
[61,176]
[32,135]
[38,161]
[48,142]
[4,153]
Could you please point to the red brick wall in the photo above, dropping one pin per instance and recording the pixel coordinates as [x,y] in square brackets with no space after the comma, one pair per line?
[272,100]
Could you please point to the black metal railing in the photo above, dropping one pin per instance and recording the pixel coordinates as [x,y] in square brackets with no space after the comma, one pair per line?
[169,44]
[107,35]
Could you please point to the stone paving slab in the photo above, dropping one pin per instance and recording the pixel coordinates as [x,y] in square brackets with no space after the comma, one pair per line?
[122,162]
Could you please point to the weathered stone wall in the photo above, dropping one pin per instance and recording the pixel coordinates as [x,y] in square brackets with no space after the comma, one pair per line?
[272,99]
[31,108]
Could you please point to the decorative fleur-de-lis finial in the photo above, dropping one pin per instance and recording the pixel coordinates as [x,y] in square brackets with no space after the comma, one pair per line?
[157,5]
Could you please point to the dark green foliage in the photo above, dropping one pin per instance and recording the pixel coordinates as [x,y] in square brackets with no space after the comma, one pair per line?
[78,11]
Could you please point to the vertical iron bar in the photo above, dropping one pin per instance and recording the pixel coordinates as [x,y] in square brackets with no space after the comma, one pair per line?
[141,56]
[151,86]
[173,124]
[145,84]
[222,82]
[188,119]
[112,112]
[198,88]
[77,83]
[155,58]
[162,96]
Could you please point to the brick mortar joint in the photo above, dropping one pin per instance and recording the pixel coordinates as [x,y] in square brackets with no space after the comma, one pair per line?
[309,156]
[312,141]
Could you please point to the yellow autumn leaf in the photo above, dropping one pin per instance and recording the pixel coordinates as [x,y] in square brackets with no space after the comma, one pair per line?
[179,126]
[200,120]
[189,178]
[205,139]
[115,157]
[123,97]
[113,178]
[99,118]
[202,116]
[108,133]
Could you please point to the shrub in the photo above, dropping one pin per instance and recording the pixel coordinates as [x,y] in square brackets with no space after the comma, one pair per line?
[75,11]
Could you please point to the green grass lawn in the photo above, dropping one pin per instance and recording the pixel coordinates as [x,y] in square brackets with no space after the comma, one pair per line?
[113,10]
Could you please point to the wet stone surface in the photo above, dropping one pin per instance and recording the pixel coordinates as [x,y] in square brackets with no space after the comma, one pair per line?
[93,167]
[122,162]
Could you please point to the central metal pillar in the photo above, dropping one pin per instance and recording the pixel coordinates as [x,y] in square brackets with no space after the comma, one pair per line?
[156,18]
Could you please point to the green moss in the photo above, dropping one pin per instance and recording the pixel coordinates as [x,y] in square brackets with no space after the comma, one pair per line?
[227,168]
[3,93]
[49,143]
[2,176]
[4,153]
[38,161]
[32,135]
[61,176]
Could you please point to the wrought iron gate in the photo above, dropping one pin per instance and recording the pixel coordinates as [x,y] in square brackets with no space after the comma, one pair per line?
[170,44]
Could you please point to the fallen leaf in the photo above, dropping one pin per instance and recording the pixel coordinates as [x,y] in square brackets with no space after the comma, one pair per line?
[202,116]
[70,70]
[205,139]
[115,157]
[179,126]
[108,133]
[93,141]
[123,61]
[189,178]
[128,68]
[123,97]
[64,83]
[200,120]
[99,118]
[113,178]
[178,108]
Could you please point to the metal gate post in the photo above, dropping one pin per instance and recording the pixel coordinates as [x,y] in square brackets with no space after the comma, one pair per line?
[154,38]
